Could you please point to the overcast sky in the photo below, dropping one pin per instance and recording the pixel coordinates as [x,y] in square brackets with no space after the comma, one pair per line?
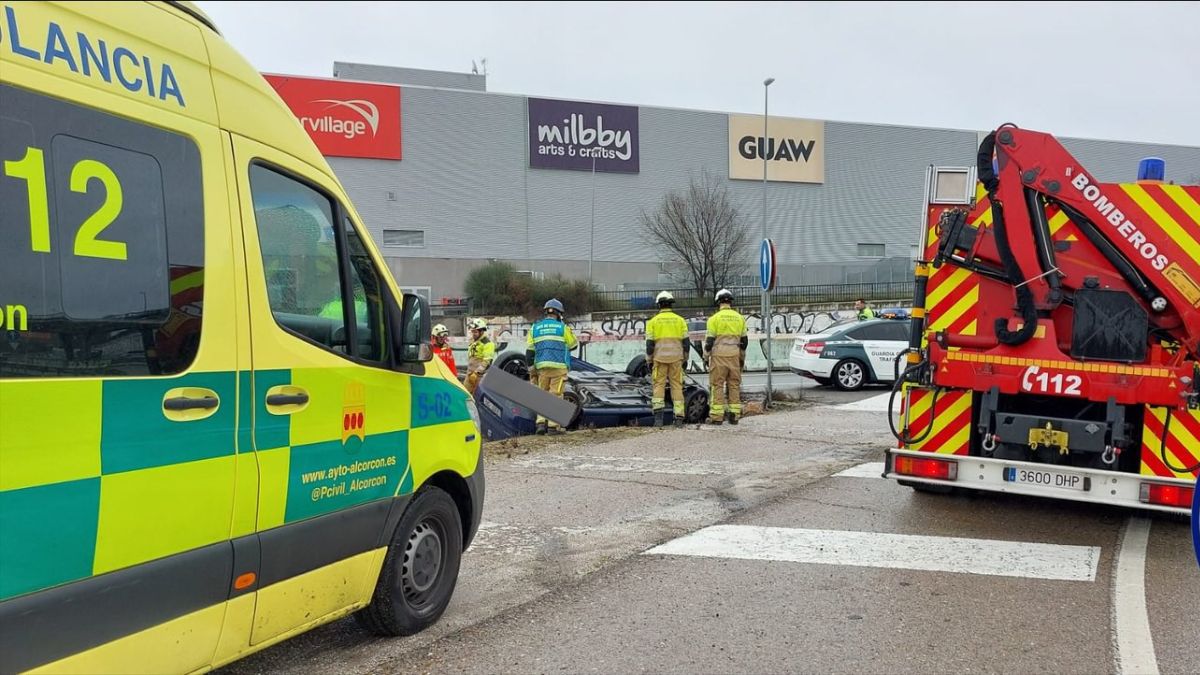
[1125,71]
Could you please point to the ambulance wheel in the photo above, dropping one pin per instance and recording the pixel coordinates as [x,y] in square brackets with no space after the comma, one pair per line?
[421,567]
[849,375]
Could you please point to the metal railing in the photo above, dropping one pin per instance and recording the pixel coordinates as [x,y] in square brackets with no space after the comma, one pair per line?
[811,294]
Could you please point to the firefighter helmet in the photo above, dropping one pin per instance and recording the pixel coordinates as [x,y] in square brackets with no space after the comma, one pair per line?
[724,295]
[553,305]
[664,298]
[440,330]
[477,324]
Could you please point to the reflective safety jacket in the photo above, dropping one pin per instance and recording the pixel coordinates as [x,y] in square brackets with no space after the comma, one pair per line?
[667,337]
[480,355]
[866,313]
[726,334]
[446,354]
[550,343]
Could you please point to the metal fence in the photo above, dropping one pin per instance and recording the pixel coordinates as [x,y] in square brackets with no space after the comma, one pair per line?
[812,294]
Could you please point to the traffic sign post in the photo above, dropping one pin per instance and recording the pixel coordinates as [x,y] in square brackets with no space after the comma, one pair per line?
[767,277]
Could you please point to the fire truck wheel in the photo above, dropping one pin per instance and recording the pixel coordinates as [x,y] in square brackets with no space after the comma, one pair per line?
[927,488]
[849,375]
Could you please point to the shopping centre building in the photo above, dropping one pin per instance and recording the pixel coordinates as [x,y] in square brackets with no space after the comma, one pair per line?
[448,176]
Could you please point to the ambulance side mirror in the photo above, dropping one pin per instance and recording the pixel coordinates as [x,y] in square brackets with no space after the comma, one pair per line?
[411,330]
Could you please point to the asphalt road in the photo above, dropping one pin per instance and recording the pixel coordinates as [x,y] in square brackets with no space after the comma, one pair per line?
[740,549]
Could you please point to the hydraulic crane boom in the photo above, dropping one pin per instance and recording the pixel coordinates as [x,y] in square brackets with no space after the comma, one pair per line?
[1134,244]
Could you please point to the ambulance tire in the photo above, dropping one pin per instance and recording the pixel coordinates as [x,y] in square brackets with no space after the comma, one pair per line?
[421,568]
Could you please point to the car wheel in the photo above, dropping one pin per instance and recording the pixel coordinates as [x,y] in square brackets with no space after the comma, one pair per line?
[638,367]
[572,396]
[421,567]
[695,406]
[514,364]
[849,375]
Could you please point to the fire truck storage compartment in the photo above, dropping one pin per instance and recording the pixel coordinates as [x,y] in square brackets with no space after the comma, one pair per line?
[1089,426]
[1109,326]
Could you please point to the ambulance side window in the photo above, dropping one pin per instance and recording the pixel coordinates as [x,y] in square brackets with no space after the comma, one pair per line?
[370,316]
[101,242]
[303,258]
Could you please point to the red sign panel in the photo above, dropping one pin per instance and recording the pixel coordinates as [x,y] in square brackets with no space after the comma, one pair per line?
[345,119]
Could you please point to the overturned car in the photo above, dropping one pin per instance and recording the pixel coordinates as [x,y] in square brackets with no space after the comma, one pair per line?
[604,399]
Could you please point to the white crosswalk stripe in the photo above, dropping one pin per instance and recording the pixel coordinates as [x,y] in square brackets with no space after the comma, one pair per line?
[868,470]
[898,551]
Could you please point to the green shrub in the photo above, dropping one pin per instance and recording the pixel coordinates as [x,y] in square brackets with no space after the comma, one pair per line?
[497,289]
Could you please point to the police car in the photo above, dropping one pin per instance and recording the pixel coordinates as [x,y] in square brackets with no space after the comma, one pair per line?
[852,353]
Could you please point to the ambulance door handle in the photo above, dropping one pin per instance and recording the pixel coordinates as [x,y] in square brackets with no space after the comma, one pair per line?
[185,403]
[286,399]
[188,404]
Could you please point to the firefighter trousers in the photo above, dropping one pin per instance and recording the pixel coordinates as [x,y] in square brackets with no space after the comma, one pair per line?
[551,380]
[725,374]
[663,374]
[472,381]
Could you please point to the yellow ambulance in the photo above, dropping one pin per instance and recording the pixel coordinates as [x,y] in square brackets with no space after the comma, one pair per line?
[220,423]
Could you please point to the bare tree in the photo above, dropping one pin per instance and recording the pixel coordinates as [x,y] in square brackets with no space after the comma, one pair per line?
[699,229]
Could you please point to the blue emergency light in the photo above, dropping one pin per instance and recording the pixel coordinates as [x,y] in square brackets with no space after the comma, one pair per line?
[1152,168]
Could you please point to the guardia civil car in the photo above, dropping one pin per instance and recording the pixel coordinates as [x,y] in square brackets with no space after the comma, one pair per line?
[851,354]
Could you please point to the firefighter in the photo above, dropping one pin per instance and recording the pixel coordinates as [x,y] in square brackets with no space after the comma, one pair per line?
[441,347]
[548,350]
[667,348]
[725,349]
[480,353]
[864,312]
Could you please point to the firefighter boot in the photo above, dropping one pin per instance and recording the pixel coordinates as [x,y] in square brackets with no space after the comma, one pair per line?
[658,419]
[541,429]
[678,422]
[731,417]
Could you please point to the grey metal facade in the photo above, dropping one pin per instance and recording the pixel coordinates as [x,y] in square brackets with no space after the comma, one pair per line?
[465,181]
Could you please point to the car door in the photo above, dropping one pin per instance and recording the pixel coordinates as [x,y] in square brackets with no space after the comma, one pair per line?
[880,347]
[330,415]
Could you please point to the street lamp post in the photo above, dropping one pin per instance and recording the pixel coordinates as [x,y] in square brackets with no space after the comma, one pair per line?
[766,296]
[592,227]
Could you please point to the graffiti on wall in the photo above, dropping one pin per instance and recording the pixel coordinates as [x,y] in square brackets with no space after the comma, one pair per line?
[785,322]
[790,322]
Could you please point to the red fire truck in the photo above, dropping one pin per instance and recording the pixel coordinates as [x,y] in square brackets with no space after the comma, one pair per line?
[1056,332]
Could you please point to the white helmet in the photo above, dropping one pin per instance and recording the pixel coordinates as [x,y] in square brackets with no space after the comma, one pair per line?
[477,324]
[440,330]
[724,295]
[664,296]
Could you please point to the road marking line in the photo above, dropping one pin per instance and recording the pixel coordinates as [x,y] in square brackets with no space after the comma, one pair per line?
[898,551]
[874,404]
[1131,621]
[868,470]
[663,465]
